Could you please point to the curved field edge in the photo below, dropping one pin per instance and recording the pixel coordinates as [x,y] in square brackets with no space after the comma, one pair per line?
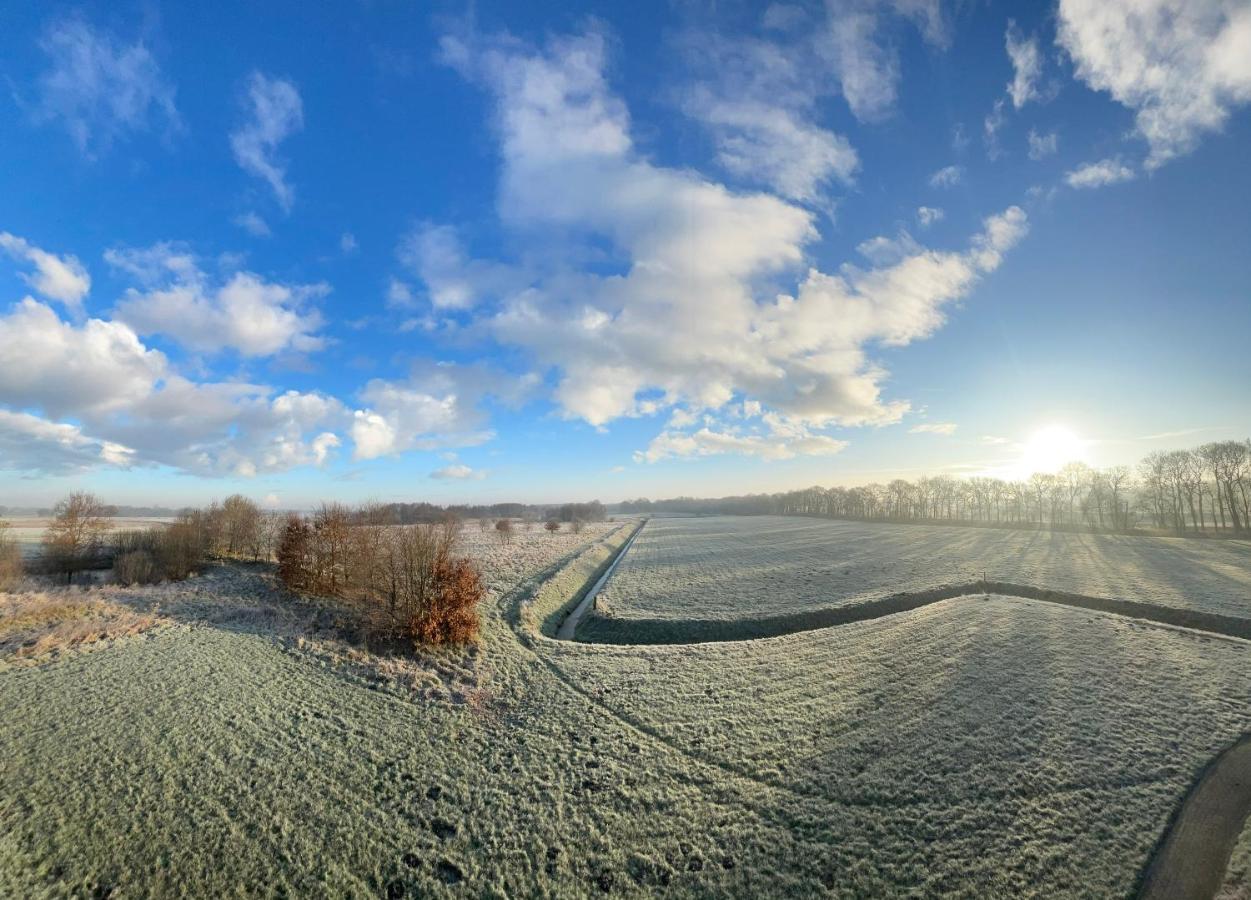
[601,629]
[1202,853]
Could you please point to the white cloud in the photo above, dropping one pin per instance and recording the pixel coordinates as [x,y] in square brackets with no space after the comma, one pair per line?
[943,428]
[99,88]
[103,395]
[438,406]
[865,62]
[253,224]
[994,121]
[1181,65]
[435,254]
[928,215]
[274,112]
[32,444]
[49,364]
[641,340]
[1042,145]
[714,442]
[399,295]
[244,312]
[1027,64]
[758,99]
[1098,174]
[948,176]
[457,472]
[60,278]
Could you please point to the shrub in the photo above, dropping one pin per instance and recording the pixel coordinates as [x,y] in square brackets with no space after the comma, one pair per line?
[450,616]
[406,581]
[135,567]
[293,547]
[552,526]
[169,553]
[10,558]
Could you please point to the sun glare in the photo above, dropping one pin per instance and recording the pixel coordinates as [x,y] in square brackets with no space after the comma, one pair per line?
[1050,449]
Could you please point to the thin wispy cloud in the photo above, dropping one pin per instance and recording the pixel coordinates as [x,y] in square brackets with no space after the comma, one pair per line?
[101,87]
[272,112]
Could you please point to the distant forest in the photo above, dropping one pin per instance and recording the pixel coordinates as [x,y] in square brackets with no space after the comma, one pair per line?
[1202,491]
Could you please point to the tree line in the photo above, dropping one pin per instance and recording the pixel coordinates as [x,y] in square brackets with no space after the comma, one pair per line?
[1204,490]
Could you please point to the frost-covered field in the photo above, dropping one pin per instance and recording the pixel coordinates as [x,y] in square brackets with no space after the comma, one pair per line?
[973,748]
[987,746]
[733,567]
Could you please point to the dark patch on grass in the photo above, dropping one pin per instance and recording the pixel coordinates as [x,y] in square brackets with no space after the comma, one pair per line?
[448,872]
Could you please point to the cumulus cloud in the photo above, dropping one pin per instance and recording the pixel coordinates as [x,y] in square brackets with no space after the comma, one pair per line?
[93,393]
[60,278]
[458,472]
[439,406]
[944,428]
[436,255]
[947,176]
[29,443]
[642,339]
[100,88]
[1027,64]
[1099,174]
[928,215]
[1042,145]
[707,442]
[273,112]
[1181,65]
[244,312]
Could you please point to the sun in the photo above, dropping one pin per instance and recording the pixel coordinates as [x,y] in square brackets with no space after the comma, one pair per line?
[1049,449]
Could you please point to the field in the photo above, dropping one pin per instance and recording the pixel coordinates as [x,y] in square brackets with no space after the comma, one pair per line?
[28,530]
[727,569]
[979,746]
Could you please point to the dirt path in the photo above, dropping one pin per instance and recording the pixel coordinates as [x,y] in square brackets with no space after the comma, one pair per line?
[1190,863]
[570,625]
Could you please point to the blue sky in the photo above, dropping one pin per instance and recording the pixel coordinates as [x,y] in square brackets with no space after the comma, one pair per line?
[543,252]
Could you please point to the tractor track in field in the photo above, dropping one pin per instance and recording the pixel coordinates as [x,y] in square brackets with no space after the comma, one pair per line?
[1191,857]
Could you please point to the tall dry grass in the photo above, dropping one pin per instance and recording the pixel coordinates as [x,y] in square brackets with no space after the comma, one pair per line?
[35,624]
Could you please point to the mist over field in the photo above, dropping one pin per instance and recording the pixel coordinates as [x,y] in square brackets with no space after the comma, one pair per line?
[695,450]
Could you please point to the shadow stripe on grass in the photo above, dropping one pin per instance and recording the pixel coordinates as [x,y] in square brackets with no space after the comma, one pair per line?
[598,629]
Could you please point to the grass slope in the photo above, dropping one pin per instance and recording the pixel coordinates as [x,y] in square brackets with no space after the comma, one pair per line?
[981,744]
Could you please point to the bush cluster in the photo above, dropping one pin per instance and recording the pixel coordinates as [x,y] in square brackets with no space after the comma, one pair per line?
[152,555]
[10,558]
[407,581]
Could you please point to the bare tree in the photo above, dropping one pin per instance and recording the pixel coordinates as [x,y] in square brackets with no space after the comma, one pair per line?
[504,531]
[74,539]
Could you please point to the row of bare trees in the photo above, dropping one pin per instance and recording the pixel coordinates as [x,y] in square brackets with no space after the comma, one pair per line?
[1203,490]
[408,582]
